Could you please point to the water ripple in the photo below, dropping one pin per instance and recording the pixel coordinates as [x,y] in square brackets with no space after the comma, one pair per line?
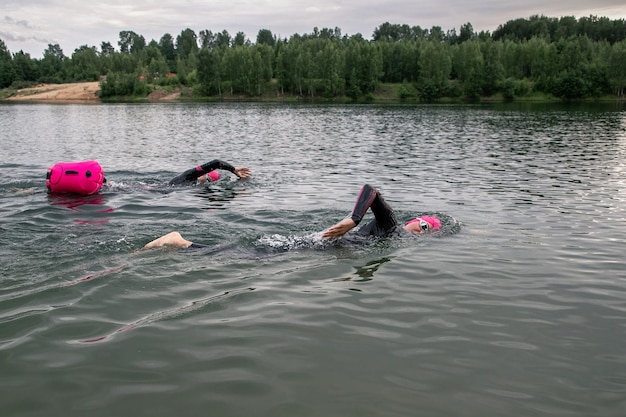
[515,308]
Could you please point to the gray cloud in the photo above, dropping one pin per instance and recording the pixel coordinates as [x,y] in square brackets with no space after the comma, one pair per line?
[72,24]
[6,36]
[22,23]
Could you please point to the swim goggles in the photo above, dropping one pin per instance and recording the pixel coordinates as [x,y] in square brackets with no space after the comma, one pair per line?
[424,226]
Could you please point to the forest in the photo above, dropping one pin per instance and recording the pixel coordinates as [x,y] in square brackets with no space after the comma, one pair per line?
[565,58]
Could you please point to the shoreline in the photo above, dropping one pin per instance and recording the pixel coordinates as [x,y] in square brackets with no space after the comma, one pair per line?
[88,93]
[79,93]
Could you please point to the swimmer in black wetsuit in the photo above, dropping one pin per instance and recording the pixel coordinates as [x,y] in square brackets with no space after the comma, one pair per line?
[205,172]
[383,224]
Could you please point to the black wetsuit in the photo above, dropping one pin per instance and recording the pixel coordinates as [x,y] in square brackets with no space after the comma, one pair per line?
[191,175]
[384,222]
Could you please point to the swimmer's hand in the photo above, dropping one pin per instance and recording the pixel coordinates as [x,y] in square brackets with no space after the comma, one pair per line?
[243,172]
[340,229]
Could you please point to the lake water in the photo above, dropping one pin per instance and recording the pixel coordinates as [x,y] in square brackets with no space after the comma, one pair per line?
[517,308]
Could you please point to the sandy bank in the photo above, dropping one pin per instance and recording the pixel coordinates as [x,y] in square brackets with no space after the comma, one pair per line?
[72,92]
[86,92]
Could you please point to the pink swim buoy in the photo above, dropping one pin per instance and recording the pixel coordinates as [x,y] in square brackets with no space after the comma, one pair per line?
[83,177]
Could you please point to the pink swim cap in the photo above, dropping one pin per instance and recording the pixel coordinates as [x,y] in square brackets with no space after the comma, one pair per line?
[434,222]
[213,176]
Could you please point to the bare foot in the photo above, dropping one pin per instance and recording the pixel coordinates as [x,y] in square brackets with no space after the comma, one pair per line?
[171,239]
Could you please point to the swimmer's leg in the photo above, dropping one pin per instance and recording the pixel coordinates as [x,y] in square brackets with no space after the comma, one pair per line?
[173,239]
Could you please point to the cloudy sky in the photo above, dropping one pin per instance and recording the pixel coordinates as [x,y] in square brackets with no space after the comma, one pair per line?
[30,25]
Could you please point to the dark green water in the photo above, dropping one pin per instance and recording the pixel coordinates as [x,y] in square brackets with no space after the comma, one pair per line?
[517,309]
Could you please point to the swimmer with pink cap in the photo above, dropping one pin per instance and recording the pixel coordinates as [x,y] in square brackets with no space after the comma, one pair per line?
[206,172]
[384,222]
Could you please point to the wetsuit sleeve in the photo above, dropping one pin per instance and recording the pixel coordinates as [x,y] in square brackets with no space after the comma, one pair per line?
[191,175]
[385,219]
[369,197]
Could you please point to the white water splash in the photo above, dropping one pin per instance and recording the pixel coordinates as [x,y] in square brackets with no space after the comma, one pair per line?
[310,241]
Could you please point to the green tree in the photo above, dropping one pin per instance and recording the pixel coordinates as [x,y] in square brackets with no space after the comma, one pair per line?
[541,58]
[468,65]
[569,86]
[400,61]
[186,44]
[240,39]
[512,62]
[266,63]
[466,33]
[168,51]
[492,69]
[353,90]
[394,32]
[131,42]
[222,39]
[265,37]
[187,54]
[25,68]
[436,34]
[84,65]
[154,61]
[617,68]
[7,70]
[258,73]
[233,66]
[185,68]
[106,48]
[106,57]
[330,66]
[573,52]
[124,63]
[138,45]
[123,84]
[280,72]
[304,69]
[567,28]
[209,76]
[207,39]
[451,37]
[364,64]
[52,66]
[435,68]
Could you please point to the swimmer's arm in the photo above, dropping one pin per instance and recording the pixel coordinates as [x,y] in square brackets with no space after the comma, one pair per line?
[339,229]
[241,172]
[192,175]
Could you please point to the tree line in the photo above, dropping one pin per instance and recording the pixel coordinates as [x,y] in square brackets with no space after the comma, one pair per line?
[565,57]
